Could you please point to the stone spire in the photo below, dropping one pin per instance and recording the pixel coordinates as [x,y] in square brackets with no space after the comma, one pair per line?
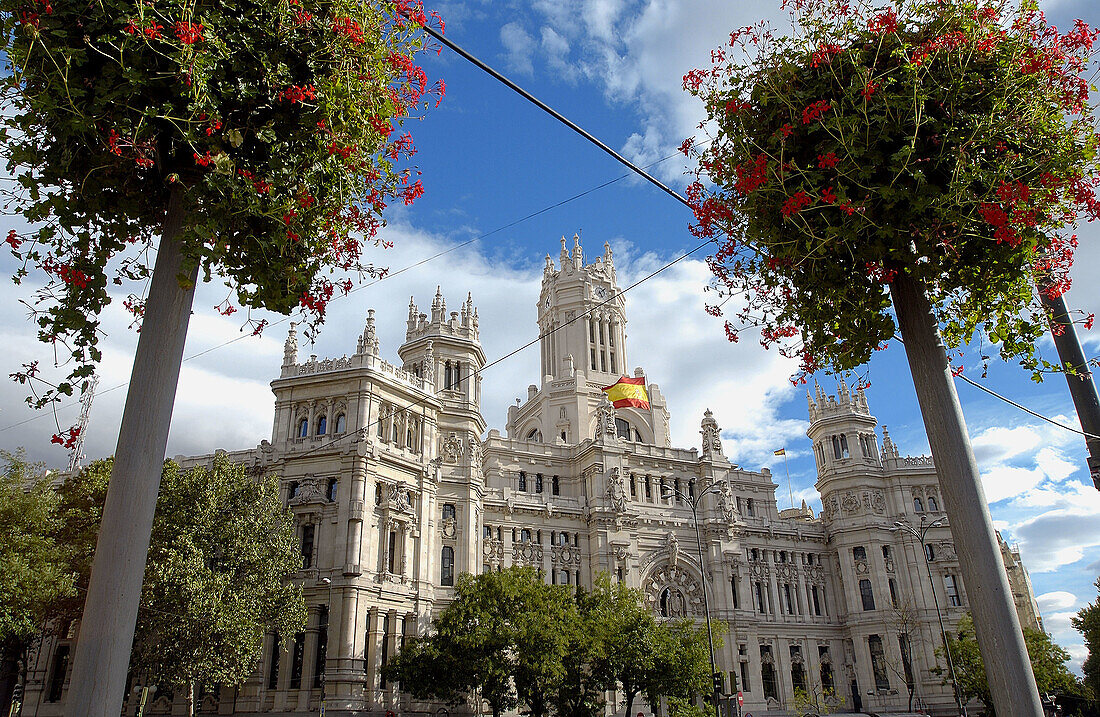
[549,268]
[578,254]
[712,436]
[290,348]
[564,253]
[368,340]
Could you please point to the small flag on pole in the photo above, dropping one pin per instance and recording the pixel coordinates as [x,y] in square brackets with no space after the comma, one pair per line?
[780,452]
[628,392]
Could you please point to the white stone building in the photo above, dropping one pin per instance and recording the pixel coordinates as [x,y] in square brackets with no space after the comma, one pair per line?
[397,489]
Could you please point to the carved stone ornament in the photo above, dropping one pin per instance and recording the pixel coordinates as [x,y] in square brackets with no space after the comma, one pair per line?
[672,545]
[428,369]
[290,348]
[447,527]
[615,493]
[673,592]
[475,453]
[727,504]
[527,554]
[621,553]
[399,498]
[310,490]
[712,441]
[605,418]
[878,501]
[850,503]
[452,449]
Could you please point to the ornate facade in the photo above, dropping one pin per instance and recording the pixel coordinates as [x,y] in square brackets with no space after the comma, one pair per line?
[397,488]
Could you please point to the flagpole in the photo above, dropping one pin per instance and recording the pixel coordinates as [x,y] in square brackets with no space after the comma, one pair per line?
[790,493]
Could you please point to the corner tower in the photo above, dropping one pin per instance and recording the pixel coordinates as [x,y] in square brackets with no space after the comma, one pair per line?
[445,351]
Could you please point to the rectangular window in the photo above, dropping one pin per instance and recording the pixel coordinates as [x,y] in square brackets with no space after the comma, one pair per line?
[523,481]
[748,508]
[385,648]
[57,673]
[296,656]
[952,590]
[273,663]
[893,592]
[322,648]
[538,482]
[817,602]
[391,552]
[878,662]
[886,552]
[648,489]
[555,483]
[733,591]
[488,532]
[787,597]
[307,546]
[859,553]
[866,595]
[633,488]
[759,596]
[767,673]
[745,684]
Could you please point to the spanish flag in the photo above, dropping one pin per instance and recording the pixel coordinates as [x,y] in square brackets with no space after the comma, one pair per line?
[780,452]
[628,392]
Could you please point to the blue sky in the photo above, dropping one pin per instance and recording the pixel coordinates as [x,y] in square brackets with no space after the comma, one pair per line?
[488,159]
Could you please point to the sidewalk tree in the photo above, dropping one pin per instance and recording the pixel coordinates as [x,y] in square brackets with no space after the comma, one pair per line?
[920,156]
[259,141]
[624,635]
[33,572]
[1087,622]
[1047,660]
[222,547]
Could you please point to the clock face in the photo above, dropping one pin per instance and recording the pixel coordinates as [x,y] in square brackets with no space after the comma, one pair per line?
[548,302]
[601,293]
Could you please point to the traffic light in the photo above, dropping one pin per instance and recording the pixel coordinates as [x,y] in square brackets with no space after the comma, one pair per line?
[719,683]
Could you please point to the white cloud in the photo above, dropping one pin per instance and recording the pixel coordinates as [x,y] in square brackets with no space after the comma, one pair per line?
[556,48]
[1057,600]
[520,46]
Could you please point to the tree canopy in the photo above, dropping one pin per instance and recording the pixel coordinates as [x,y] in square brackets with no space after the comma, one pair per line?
[1087,622]
[273,129]
[1047,662]
[511,639]
[223,545]
[951,142]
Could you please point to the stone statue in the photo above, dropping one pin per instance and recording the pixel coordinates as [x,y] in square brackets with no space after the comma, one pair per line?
[290,348]
[475,453]
[605,418]
[429,364]
[712,440]
[615,492]
[452,449]
[673,547]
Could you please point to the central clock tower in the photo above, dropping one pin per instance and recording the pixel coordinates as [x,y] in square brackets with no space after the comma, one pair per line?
[582,323]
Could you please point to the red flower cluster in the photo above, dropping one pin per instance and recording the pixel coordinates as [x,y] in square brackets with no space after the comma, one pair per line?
[815,110]
[751,177]
[188,33]
[350,29]
[880,274]
[884,23]
[67,274]
[296,93]
[827,161]
[824,54]
[13,239]
[796,203]
[67,439]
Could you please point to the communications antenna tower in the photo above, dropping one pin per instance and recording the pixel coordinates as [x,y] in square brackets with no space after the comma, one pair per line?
[86,396]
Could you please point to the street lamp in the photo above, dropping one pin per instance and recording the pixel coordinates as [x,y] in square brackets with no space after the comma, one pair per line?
[668,492]
[327,582]
[921,534]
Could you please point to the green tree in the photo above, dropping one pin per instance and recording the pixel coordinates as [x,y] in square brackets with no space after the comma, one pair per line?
[681,666]
[502,639]
[222,547]
[625,636]
[1047,662]
[1087,622]
[907,166]
[34,574]
[257,138]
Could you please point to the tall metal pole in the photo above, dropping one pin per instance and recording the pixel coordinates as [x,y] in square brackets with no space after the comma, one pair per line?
[667,493]
[1081,387]
[921,537]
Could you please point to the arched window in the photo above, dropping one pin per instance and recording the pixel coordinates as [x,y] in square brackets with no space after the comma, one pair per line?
[525,535]
[932,503]
[322,424]
[917,505]
[929,552]
[448,511]
[333,484]
[844,446]
[292,490]
[410,432]
[622,428]
[836,447]
[383,416]
[664,603]
[447,567]
[303,428]
[396,429]
[535,435]
[341,423]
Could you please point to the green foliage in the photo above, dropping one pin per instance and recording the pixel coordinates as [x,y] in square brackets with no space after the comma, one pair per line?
[1087,622]
[33,570]
[685,707]
[268,124]
[511,639]
[948,141]
[215,581]
[813,703]
[1047,662]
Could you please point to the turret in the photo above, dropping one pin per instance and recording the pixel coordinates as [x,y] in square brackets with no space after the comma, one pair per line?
[446,349]
[842,428]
